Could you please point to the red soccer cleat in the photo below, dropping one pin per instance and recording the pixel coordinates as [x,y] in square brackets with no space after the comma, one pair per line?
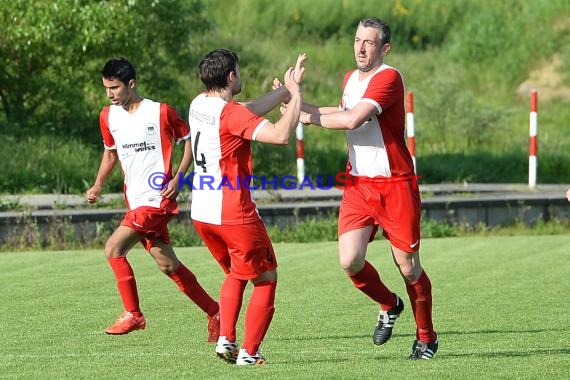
[214,328]
[126,323]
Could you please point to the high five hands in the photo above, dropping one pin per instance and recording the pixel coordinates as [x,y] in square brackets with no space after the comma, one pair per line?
[293,77]
[298,71]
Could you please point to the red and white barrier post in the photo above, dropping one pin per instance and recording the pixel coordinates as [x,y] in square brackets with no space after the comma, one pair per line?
[300,153]
[410,128]
[533,143]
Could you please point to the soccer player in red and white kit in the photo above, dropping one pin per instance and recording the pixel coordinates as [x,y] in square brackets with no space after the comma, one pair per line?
[382,188]
[140,133]
[222,208]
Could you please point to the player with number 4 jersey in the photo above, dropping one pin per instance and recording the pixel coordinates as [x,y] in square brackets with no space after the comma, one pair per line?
[222,210]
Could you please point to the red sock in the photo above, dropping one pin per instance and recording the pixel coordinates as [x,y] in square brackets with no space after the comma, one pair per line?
[420,298]
[259,315]
[368,282]
[126,284]
[231,296]
[188,284]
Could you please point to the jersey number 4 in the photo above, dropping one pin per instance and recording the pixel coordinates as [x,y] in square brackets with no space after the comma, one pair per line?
[201,162]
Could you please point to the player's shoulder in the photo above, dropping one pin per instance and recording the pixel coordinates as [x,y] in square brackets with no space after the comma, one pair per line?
[387,74]
[105,111]
[349,74]
[388,71]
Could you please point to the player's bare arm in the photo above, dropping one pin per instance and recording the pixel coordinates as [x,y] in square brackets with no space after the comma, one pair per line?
[279,94]
[107,164]
[173,188]
[267,101]
[343,120]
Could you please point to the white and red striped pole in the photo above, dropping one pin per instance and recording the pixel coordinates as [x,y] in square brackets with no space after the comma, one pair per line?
[300,153]
[410,128]
[533,143]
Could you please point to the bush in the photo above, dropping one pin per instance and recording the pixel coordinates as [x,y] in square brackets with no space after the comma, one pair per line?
[309,230]
[59,165]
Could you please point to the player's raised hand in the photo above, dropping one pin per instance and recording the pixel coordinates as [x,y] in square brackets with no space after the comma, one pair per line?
[294,75]
[299,68]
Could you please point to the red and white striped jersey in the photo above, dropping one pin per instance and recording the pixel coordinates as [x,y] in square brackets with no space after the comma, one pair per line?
[377,147]
[222,132]
[143,140]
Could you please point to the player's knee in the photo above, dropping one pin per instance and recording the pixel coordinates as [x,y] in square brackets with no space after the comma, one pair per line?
[410,272]
[350,264]
[168,266]
[113,251]
[268,276]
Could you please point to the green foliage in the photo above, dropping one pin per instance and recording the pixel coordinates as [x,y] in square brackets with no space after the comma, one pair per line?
[51,53]
[486,167]
[182,232]
[9,204]
[62,234]
[420,23]
[26,237]
[310,230]
[59,165]
[431,228]
[464,60]
[492,40]
[461,124]
[59,233]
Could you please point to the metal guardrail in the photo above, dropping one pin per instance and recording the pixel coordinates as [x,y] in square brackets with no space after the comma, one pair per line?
[491,204]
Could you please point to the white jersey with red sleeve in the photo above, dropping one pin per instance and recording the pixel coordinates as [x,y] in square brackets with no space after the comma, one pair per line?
[378,147]
[222,132]
[143,140]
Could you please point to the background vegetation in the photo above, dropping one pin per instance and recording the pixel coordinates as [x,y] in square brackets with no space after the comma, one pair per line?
[470,63]
[60,233]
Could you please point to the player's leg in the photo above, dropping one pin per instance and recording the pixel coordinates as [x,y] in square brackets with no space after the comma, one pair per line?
[168,263]
[418,286]
[357,226]
[231,291]
[258,317]
[254,259]
[352,255]
[403,231]
[116,249]
[231,299]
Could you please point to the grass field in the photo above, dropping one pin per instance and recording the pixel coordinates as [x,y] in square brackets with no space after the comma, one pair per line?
[500,307]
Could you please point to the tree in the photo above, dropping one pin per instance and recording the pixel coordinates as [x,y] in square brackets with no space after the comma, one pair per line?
[51,53]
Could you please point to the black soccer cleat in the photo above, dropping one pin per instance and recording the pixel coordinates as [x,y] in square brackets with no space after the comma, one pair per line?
[386,319]
[421,350]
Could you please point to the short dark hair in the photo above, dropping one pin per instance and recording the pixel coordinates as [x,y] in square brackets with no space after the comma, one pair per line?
[384,32]
[120,69]
[215,67]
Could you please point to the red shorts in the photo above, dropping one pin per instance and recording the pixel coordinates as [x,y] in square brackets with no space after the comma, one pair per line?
[244,250]
[394,205]
[150,221]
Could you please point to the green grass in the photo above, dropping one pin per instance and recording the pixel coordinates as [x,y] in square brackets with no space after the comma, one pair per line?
[500,307]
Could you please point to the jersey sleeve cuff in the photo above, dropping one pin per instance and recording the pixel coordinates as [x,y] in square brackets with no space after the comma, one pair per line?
[257,129]
[374,103]
[183,138]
